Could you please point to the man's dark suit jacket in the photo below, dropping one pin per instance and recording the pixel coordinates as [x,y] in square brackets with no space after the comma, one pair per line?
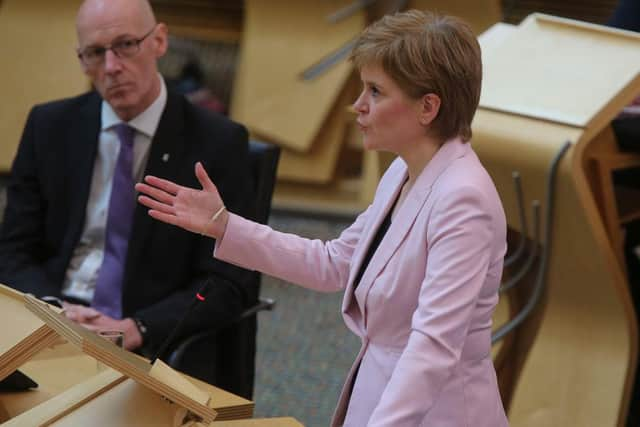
[46,205]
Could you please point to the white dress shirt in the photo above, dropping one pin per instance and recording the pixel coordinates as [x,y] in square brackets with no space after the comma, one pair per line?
[82,272]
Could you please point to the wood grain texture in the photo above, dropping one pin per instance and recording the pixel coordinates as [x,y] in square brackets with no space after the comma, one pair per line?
[121,360]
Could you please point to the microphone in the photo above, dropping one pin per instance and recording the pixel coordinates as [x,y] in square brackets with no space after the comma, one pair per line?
[200,297]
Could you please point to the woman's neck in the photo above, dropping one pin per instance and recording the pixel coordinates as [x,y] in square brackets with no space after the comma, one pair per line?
[418,155]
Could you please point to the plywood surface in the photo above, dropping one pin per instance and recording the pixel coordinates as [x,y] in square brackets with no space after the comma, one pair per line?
[60,372]
[13,312]
[121,360]
[60,405]
[579,368]
[280,40]
[128,403]
[561,70]
[37,40]
[27,335]
[549,81]
[318,164]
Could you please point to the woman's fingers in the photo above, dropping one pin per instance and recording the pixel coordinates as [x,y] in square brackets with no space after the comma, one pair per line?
[155,193]
[156,205]
[204,179]
[169,219]
[163,184]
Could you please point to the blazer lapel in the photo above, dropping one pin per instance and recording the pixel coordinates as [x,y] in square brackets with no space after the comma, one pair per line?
[381,206]
[165,159]
[406,215]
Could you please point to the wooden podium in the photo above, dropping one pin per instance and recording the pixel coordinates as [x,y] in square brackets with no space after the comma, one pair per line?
[72,392]
[547,82]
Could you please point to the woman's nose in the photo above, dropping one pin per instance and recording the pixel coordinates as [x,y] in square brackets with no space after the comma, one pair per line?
[360,105]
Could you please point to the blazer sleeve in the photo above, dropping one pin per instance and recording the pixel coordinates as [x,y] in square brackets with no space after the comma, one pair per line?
[22,231]
[459,242]
[311,263]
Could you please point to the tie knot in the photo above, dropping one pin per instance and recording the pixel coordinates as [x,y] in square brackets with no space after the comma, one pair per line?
[125,133]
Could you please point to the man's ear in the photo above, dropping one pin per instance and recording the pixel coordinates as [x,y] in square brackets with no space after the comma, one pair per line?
[83,67]
[429,108]
[161,40]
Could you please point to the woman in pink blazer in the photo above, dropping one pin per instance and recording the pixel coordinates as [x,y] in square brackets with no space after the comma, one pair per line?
[420,268]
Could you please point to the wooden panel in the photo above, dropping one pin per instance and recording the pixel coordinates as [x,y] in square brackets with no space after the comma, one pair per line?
[281,38]
[14,313]
[580,367]
[550,55]
[128,403]
[318,164]
[57,407]
[26,336]
[119,359]
[532,140]
[61,373]
[37,40]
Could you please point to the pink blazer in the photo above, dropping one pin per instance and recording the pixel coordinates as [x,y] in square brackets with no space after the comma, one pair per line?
[424,305]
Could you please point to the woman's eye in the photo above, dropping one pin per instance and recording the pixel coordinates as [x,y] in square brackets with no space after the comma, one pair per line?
[374,91]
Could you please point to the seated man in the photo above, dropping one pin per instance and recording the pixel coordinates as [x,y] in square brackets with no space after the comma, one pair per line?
[72,228]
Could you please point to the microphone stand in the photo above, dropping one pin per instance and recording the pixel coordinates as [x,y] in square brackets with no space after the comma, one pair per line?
[200,297]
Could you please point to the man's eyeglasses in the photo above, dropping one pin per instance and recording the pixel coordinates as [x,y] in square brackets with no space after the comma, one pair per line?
[93,56]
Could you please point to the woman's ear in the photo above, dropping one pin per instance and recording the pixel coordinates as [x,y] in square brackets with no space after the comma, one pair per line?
[429,108]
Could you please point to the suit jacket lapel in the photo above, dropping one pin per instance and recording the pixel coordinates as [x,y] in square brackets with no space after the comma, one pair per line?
[83,148]
[165,159]
[406,215]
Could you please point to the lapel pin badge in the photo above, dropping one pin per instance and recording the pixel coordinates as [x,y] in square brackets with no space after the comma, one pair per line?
[165,157]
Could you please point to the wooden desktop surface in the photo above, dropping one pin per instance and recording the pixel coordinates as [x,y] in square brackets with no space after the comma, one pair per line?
[60,368]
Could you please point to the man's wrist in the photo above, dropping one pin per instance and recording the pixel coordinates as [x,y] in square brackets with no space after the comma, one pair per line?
[134,337]
[142,327]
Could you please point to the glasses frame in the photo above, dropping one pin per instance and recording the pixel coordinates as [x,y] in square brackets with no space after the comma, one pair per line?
[113,47]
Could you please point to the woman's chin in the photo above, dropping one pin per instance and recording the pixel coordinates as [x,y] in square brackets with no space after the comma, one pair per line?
[367,144]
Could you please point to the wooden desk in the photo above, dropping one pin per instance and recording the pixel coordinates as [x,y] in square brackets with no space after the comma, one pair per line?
[57,370]
[547,82]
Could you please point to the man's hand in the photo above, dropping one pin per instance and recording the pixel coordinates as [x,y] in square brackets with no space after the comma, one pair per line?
[95,321]
[79,313]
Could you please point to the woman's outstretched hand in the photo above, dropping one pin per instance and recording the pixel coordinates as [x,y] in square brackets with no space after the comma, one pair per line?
[188,208]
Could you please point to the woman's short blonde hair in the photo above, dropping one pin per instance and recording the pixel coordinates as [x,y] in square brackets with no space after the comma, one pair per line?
[425,53]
